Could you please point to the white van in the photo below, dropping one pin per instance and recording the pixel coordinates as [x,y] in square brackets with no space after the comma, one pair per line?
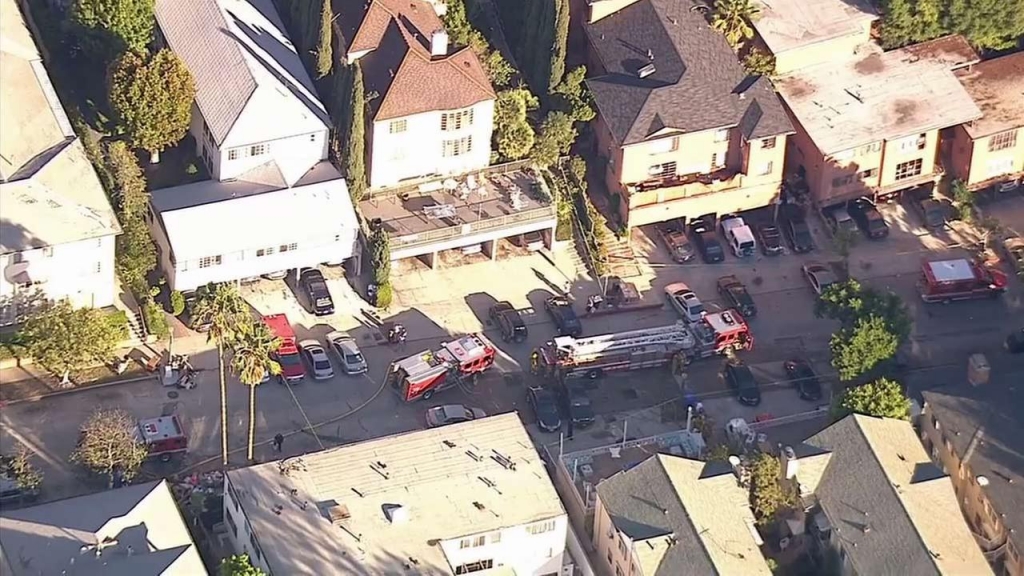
[738,236]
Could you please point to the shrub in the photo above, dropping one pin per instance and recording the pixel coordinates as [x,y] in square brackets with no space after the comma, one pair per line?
[119,321]
[156,321]
[384,295]
[177,303]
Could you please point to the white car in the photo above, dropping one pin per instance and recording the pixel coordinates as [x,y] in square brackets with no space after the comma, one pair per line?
[685,302]
[316,357]
[819,276]
[345,348]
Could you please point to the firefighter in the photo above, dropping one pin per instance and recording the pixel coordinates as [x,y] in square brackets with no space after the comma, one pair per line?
[535,362]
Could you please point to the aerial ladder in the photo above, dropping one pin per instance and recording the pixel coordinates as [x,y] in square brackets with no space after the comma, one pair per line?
[593,356]
[580,349]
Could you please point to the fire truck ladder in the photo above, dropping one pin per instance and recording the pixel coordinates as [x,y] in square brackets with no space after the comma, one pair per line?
[673,334]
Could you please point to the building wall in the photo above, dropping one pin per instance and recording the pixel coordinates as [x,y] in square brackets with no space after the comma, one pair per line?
[823,51]
[613,549]
[414,146]
[530,550]
[239,531]
[81,272]
[900,150]
[399,252]
[974,163]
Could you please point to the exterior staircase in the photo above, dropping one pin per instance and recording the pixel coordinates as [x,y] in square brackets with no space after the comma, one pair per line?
[622,260]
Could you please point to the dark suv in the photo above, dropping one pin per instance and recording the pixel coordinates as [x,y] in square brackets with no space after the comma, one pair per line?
[317,292]
[741,380]
[564,317]
[794,225]
[577,405]
[508,320]
[868,218]
[707,242]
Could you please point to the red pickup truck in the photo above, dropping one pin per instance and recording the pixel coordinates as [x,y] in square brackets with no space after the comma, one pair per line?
[288,353]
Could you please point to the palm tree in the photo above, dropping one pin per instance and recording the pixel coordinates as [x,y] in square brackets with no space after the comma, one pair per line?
[220,307]
[732,18]
[253,344]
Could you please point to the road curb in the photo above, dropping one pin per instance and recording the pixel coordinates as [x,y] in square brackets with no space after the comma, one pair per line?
[39,397]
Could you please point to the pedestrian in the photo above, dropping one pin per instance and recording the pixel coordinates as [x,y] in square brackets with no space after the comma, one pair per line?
[278,442]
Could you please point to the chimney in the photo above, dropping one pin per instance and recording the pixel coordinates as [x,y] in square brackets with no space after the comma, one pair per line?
[789,463]
[646,70]
[439,44]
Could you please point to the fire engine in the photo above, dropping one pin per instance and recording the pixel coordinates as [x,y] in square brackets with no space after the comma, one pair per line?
[428,372]
[947,280]
[566,357]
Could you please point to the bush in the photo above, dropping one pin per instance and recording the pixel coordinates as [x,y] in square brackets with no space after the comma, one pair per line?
[384,295]
[177,303]
[156,321]
[119,320]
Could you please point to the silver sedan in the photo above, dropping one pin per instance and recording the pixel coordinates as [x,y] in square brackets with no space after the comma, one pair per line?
[316,357]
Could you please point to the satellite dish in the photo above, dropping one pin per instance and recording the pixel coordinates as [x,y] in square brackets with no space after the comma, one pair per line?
[982,481]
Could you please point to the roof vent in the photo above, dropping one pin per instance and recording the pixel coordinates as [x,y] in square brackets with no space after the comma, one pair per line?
[646,70]
[396,513]
[650,54]
[439,43]
[338,514]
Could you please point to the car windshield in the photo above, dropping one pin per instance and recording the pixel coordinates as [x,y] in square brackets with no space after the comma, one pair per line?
[289,359]
[354,358]
[695,308]
[579,401]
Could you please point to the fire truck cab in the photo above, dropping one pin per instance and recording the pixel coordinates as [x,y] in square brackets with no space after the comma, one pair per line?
[422,375]
[163,436]
[961,279]
[720,332]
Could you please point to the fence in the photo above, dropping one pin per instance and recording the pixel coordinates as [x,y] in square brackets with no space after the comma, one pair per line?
[417,185]
[439,234]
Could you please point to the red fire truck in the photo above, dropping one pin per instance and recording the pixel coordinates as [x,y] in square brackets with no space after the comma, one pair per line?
[163,436]
[428,372]
[569,358]
[948,280]
[288,353]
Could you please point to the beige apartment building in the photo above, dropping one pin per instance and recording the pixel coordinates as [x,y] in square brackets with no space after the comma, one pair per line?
[801,33]
[682,129]
[988,153]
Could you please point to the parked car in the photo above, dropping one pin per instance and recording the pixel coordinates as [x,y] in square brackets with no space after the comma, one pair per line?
[819,276]
[803,379]
[567,323]
[319,295]
[674,236]
[509,321]
[532,241]
[347,351]
[838,218]
[279,275]
[868,218]
[545,407]
[685,301]
[932,212]
[11,492]
[577,405]
[739,377]
[316,357]
[794,226]
[1014,248]
[1015,342]
[736,295]
[707,242]
[451,414]
[771,239]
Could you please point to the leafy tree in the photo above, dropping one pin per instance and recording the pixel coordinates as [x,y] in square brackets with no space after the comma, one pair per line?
[136,253]
[380,256]
[849,302]
[759,62]
[883,398]
[717,453]
[252,344]
[324,51]
[512,131]
[768,496]
[110,446]
[898,26]
[177,303]
[223,310]
[155,318]
[355,149]
[843,241]
[964,199]
[987,24]
[499,71]
[732,18]
[572,97]
[127,24]
[19,468]
[238,565]
[384,295]
[858,349]
[928,20]
[556,137]
[558,43]
[153,99]
[63,339]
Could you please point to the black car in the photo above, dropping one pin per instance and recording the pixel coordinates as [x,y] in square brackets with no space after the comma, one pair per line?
[736,295]
[564,317]
[741,379]
[577,405]
[1015,342]
[707,242]
[771,239]
[545,406]
[868,218]
[319,295]
[794,226]
[508,320]
[804,379]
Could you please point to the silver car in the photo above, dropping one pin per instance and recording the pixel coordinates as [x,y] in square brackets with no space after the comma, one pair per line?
[452,414]
[316,358]
[819,276]
[685,301]
[345,348]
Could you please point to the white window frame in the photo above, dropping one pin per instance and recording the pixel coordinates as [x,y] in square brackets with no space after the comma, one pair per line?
[457,147]
[768,143]
[398,126]
[268,251]
[767,168]
[1002,140]
[722,135]
[453,120]
[259,149]
[288,247]
[233,154]
[541,527]
[210,261]
[919,162]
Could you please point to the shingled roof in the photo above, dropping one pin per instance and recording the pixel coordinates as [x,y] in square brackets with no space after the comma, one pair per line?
[697,83]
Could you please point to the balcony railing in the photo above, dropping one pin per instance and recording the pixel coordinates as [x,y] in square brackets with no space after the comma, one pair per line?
[440,234]
[684,186]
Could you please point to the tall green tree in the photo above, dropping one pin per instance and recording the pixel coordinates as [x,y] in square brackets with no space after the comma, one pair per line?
[136,253]
[883,398]
[860,348]
[987,24]
[559,42]
[253,345]
[899,27]
[127,25]
[223,310]
[238,565]
[732,18]
[355,149]
[152,99]
[62,338]
[513,134]
[572,97]
[324,49]
[850,302]
[556,137]
[768,496]
[928,15]
[110,445]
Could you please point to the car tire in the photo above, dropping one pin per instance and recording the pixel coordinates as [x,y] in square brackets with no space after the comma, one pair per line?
[594,373]
[165,457]
[428,394]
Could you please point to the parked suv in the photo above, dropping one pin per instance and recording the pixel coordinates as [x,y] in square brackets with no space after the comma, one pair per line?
[794,226]
[868,218]
[317,292]
[508,320]
[567,323]
[839,218]
[707,242]
[577,405]
[741,380]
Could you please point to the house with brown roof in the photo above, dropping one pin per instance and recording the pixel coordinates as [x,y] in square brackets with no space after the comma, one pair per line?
[431,110]
[988,153]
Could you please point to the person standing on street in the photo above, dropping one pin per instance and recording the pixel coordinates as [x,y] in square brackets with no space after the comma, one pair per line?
[278,442]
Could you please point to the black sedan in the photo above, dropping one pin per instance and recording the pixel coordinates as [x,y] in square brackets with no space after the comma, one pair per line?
[736,295]
[794,226]
[562,314]
[545,406]
[803,378]
[868,218]
[1015,342]
[577,405]
[742,381]
[317,292]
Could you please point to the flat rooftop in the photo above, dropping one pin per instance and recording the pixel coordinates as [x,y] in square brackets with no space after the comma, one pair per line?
[997,87]
[788,24]
[876,96]
[443,484]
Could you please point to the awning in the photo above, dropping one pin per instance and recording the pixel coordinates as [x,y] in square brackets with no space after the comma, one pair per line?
[27,272]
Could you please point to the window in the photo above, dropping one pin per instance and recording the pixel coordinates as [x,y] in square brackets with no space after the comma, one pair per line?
[1002,141]
[258,149]
[714,161]
[766,168]
[474,566]
[871,148]
[666,170]
[1000,166]
[398,126]
[209,261]
[456,120]
[288,247]
[610,561]
[768,143]
[541,527]
[909,169]
[48,252]
[98,267]
[496,537]
[622,547]
[664,145]
[870,173]
[231,523]
[312,137]
[233,154]
[255,547]
[722,135]
[265,252]
[913,143]
[618,571]
[458,147]
[473,542]
[99,242]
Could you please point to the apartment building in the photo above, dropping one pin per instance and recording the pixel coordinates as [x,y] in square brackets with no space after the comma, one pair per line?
[57,228]
[459,499]
[801,33]
[681,127]
[431,110]
[869,124]
[672,515]
[976,435]
[988,153]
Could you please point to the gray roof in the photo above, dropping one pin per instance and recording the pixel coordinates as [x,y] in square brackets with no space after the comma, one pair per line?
[698,83]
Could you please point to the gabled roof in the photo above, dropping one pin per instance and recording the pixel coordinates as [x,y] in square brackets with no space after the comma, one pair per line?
[242,62]
[684,516]
[141,525]
[697,83]
[895,511]
[49,192]
[997,87]
[399,67]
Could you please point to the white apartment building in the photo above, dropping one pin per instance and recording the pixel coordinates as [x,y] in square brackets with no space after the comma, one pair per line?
[433,109]
[461,499]
[57,228]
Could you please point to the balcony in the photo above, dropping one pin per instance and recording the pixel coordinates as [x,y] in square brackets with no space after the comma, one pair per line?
[689,184]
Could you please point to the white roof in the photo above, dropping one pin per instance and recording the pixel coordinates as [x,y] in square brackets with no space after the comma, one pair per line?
[788,24]
[951,270]
[210,218]
[875,96]
[449,483]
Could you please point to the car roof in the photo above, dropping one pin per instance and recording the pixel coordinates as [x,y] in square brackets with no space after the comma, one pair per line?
[311,272]
[677,287]
[728,280]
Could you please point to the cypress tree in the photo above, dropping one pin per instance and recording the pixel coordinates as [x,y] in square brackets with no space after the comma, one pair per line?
[355,160]
[558,46]
[324,52]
